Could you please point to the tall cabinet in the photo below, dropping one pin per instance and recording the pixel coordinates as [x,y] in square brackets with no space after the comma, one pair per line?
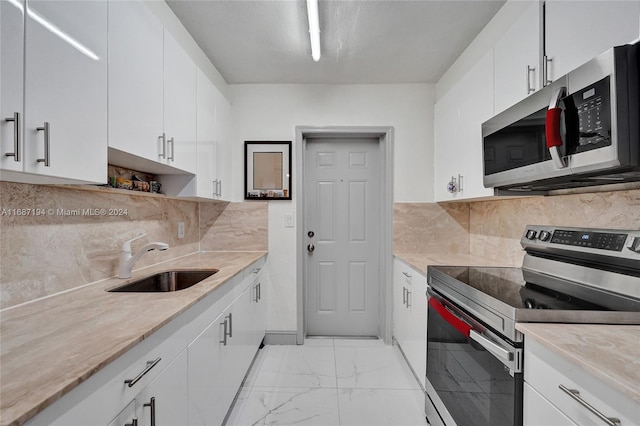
[58,128]
[459,115]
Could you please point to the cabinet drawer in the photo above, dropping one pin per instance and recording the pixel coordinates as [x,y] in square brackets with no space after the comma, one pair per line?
[546,371]
[105,394]
[537,411]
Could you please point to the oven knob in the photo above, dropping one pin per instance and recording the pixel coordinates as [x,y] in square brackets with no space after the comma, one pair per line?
[544,235]
[531,234]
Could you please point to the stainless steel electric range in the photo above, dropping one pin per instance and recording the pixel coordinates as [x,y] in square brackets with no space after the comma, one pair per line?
[474,352]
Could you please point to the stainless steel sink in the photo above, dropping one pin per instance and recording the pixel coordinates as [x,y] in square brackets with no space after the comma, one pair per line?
[166,281]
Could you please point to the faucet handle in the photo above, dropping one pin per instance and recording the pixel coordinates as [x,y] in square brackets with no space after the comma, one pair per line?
[126,246]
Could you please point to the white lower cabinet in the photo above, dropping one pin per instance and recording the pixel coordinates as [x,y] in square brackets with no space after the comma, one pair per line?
[410,316]
[220,356]
[558,392]
[186,373]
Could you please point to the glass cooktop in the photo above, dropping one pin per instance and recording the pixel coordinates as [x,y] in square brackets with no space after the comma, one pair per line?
[509,286]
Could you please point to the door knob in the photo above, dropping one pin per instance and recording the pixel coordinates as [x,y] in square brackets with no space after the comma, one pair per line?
[311,248]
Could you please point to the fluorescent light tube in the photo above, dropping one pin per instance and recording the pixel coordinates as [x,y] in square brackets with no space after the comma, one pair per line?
[314,28]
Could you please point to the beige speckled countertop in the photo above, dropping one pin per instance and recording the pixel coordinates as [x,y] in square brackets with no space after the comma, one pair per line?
[611,353]
[50,346]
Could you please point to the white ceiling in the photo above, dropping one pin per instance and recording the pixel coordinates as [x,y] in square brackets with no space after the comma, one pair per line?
[365,41]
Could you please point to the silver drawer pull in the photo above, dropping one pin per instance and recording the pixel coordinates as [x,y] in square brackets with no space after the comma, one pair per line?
[406,275]
[150,365]
[134,422]
[575,394]
[16,136]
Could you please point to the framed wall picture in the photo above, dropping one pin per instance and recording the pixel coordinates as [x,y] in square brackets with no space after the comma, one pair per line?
[267,170]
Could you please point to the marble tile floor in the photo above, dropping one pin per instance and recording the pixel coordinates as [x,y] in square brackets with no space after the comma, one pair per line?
[330,382]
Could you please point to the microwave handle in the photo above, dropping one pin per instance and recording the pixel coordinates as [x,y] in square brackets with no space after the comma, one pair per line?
[552,128]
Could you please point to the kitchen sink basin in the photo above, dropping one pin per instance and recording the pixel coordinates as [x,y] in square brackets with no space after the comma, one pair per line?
[166,281]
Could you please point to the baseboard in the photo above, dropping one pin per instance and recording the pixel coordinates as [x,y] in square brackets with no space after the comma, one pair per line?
[280,337]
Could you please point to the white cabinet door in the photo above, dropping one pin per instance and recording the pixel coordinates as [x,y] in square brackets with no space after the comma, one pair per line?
[517,58]
[135,79]
[166,395]
[417,337]
[11,84]
[459,115]
[206,136]
[537,411]
[127,417]
[223,145]
[400,309]
[242,346]
[208,399]
[179,105]
[577,31]
[66,90]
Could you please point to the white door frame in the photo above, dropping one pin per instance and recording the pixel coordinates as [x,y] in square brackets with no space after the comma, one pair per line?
[385,136]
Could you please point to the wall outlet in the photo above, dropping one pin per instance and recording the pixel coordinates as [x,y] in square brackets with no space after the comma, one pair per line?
[180,230]
[288,220]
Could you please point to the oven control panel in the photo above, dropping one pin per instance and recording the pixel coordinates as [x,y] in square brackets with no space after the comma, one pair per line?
[597,240]
[617,243]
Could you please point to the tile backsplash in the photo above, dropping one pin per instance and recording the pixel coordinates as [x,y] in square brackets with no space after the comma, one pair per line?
[492,229]
[56,238]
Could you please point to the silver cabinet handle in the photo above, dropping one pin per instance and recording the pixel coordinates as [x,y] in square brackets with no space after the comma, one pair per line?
[530,87]
[173,149]
[408,298]
[259,291]
[404,296]
[255,290]
[575,394]
[406,275]
[220,188]
[545,70]
[163,138]
[150,365]
[214,193]
[16,136]
[228,329]
[134,422]
[152,404]
[460,186]
[224,332]
[47,133]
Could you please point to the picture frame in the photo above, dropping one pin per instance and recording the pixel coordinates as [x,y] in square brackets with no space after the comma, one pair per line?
[267,170]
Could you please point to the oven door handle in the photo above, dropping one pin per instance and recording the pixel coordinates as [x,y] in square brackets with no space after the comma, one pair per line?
[456,322]
[504,355]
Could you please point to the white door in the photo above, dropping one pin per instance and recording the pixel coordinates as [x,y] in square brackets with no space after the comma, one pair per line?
[342,219]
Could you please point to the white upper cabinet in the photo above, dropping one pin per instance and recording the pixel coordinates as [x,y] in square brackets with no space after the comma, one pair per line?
[179,105]
[577,31]
[223,146]
[517,59]
[135,79]
[62,136]
[459,115]
[206,137]
[11,84]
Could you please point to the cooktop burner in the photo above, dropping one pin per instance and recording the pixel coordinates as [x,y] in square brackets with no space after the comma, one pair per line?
[509,286]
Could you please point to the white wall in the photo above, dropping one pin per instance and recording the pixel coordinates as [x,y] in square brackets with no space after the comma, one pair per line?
[272,112]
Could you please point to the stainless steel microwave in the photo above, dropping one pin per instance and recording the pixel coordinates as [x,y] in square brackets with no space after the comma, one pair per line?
[581,130]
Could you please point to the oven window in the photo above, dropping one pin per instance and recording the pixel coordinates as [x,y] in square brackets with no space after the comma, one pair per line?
[473,385]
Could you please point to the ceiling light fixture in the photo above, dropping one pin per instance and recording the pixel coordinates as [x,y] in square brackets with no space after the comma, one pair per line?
[314,28]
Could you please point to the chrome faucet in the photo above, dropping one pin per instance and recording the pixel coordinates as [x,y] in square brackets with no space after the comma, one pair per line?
[127,260]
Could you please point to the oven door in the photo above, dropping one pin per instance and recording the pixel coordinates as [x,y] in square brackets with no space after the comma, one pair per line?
[474,377]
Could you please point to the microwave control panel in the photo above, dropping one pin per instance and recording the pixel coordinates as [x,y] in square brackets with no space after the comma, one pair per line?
[593,116]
